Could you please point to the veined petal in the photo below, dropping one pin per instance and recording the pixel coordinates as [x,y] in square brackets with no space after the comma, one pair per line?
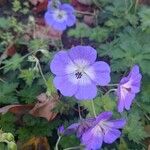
[62,64]
[111,135]
[71,19]
[92,139]
[104,116]
[128,101]
[49,18]
[59,26]
[66,87]
[67,8]
[99,72]
[86,92]
[86,53]
[119,123]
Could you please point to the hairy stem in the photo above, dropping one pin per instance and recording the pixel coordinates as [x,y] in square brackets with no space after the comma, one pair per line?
[93,107]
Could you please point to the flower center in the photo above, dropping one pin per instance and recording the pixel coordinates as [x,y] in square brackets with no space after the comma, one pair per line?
[78,75]
[60,15]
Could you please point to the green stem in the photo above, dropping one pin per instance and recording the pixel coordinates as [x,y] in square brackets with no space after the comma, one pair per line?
[115,84]
[148,118]
[93,107]
[41,72]
[111,90]
[57,143]
[79,112]
[70,148]
[2,80]
[136,5]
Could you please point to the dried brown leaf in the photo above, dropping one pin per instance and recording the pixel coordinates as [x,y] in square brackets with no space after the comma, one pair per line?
[35,143]
[44,106]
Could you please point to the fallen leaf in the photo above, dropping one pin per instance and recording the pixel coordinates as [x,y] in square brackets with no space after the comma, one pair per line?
[40,5]
[89,20]
[82,7]
[44,106]
[86,2]
[145,2]
[11,50]
[16,109]
[35,143]
[35,2]
[46,32]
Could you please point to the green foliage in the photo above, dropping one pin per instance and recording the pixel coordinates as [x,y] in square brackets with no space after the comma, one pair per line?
[131,47]
[28,94]
[50,87]
[16,5]
[69,141]
[28,75]
[7,122]
[64,106]
[8,93]
[144,14]
[98,34]
[13,63]
[104,103]
[4,23]
[134,128]
[37,44]
[36,127]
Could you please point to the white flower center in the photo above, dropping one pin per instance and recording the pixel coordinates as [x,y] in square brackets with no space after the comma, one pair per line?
[125,88]
[82,73]
[59,15]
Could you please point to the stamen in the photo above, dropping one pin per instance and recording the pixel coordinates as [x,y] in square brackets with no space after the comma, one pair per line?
[78,75]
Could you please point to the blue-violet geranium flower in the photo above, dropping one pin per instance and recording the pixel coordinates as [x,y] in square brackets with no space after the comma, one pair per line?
[77,73]
[127,89]
[93,133]
[60,17]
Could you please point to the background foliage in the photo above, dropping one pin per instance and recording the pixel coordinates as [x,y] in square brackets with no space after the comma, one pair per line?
[121,36]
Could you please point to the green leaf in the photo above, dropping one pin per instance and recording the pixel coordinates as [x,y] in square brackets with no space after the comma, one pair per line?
[69,141]
[135,134]
[104,103]
[7,93]
[7,122]
[4,23]
[13,63]
[28,75]
[83,31]
[28,94]
[50,86]
[144,15]
[132,47]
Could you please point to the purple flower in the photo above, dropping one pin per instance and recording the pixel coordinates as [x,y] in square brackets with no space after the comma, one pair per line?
[61,130]
[94,132]
[77,73]
[60,17]
[81,127]
[127,89]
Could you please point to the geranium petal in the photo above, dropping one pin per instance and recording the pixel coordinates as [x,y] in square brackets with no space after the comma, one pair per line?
[100,73]
[86,92]
[68,8]
[66,87]
[104,116]
[70,20]
[111,135]
[92,139]
[62,64]
[128,101]
[59,25]
[85,53]
[119,123]
[49,18]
